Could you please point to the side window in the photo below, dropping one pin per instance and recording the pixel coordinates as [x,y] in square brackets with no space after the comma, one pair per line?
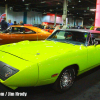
[28,31]
[95,38]
[21,30]
[17,30]
[68,35]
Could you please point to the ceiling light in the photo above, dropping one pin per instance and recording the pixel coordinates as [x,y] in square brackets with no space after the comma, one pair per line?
[79,1]
[58,3]
[43,1]
[26,4]
[84,10]
[86,14]
[44,13]
[50,9]
[92,9]
[11,8]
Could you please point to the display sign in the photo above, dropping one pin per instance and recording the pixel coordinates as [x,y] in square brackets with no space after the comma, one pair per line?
[2,16]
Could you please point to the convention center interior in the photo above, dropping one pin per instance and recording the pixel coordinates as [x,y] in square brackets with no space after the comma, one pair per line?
[50,49]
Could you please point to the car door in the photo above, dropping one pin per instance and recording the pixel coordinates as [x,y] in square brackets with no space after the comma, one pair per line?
[16,37]
[30,35]
[97,46]
[93,53]
[33,35]
[16,34]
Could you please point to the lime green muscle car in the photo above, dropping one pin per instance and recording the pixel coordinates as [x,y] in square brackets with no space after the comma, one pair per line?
[57,60]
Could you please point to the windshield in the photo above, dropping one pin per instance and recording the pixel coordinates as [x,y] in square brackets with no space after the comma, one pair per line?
[66,36]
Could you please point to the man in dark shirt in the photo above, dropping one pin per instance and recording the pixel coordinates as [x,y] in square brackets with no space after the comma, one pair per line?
[4,24]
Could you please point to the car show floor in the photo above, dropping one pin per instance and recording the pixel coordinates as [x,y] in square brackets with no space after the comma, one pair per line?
[86,87]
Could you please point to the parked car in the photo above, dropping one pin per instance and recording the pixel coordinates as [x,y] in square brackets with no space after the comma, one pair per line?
[57,60]
[16,33]
[49,30]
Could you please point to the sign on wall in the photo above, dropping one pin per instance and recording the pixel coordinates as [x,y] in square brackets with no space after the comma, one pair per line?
[2,16]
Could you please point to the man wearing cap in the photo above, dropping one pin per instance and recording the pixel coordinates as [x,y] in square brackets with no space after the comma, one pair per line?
[4,24]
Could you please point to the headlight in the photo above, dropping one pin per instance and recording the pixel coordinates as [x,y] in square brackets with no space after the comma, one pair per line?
[6,71]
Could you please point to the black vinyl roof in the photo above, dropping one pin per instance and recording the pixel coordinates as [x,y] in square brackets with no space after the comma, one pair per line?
[82,30]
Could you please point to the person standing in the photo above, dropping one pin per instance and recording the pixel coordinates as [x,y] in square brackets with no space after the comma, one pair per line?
[4,24]
[10,23]
[21,23]
[15,23]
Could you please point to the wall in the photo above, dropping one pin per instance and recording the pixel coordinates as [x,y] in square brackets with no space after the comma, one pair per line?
[2,10]
[14,16]
[34,17]
[51,18]
[71,22]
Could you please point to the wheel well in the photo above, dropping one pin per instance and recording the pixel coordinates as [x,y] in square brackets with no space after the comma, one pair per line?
[74,66]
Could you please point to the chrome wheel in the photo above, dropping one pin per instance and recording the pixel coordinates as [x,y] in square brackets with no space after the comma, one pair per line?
[66,80]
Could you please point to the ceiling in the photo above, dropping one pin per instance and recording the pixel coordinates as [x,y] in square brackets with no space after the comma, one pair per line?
[76,8]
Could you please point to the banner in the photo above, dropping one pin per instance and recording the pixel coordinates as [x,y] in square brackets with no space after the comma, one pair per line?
[2,16]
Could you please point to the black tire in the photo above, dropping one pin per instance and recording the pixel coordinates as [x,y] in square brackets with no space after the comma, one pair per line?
[65,80]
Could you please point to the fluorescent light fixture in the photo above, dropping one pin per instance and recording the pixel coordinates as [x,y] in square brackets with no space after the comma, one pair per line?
[44,13]
[92,9]
[84,10]
[58,3]
[50,10]
[26,4]
[79,1]
[43,1]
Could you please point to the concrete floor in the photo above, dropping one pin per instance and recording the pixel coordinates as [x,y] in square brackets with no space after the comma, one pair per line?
[86,87]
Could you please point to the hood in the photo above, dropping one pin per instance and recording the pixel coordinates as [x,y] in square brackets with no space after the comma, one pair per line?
[37,50]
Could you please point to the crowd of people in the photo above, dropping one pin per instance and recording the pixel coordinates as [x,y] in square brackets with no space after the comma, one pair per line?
[5,25]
